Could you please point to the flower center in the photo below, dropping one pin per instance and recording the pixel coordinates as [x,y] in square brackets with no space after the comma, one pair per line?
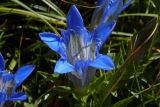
[78,49]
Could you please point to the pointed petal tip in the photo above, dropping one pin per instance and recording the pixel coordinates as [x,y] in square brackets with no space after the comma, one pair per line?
[43,33]
[103,62]
[110,63]
[111,67]
[22,73]
[31,66]
[21,96]
[100,2]
[74,18]
[48,36]
[62,67]
[73,7]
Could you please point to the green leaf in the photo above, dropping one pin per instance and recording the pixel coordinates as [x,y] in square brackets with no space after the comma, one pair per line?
[123,103]
[54,7]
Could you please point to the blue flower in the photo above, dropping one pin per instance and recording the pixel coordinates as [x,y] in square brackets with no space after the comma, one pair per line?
[107,11]
[79,48]
[9,82]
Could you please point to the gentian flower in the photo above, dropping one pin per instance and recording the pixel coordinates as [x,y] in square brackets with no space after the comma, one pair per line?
[108,11]
[9,82]
[79,48]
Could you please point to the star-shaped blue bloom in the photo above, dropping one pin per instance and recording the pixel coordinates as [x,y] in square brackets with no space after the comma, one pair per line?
[79,48]
[9,82]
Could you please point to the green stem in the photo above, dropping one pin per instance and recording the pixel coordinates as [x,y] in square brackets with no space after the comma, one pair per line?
[122,33]
[139,14]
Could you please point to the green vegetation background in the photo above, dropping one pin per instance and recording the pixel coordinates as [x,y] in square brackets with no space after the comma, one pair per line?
[134,45]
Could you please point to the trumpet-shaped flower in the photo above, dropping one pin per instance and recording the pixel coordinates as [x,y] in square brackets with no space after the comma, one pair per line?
[79,48]
[9,82]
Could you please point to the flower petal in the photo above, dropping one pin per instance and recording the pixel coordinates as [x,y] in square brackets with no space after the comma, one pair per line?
[66,36]
[74,18]
[1,63]
[100,2]
[18,97]
[53,41]
[83,35]
[2,98]
[62,66]
[22,73]
[102,32]
[103,12]
[103,62]
[124,6]
[110,9]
